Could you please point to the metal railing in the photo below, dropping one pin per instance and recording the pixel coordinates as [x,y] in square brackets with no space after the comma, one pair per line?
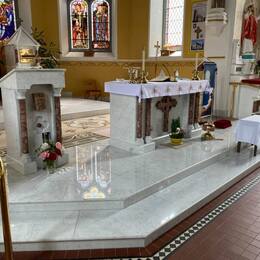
[5,215]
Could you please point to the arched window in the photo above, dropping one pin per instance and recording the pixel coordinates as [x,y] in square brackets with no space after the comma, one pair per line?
[8,19]
[89,25]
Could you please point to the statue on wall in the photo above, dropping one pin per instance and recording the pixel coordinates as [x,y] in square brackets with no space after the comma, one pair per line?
[249,29]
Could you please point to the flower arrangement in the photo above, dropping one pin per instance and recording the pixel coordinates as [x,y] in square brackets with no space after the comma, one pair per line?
[177,132]
[48,52]
[49,153]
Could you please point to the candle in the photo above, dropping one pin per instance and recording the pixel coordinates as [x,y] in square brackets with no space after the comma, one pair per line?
[143,60]
[197,59]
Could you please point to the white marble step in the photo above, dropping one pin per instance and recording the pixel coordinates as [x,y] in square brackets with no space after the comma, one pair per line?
[121,201]
[137,225]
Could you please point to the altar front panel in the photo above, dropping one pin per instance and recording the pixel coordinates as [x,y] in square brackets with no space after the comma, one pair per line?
[123,118]
[181,110]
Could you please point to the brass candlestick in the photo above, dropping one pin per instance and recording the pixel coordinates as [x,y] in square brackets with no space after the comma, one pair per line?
[175,76]
[143,78]
[133,74]
[195,75]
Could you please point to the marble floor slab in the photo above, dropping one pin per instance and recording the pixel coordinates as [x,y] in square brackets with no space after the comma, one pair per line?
[73,108]
[99,176]
[136,225]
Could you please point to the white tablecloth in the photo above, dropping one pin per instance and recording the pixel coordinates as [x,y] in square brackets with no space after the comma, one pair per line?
[248,130]
[157,89]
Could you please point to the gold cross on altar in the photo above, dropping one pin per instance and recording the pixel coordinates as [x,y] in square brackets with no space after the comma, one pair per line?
[157,46]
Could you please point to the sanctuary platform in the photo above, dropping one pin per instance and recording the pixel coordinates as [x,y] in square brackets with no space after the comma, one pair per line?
[74,108]
[106,197]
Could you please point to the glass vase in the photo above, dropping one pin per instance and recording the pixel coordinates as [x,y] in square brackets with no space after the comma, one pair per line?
[50,167]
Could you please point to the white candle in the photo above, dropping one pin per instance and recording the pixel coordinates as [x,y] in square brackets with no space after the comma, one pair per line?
[143,60]
[197,60]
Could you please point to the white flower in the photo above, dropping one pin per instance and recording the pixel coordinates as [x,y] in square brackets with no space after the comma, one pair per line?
[45,146]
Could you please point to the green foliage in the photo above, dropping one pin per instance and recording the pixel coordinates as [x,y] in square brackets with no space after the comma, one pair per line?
[176,131]
[48,52]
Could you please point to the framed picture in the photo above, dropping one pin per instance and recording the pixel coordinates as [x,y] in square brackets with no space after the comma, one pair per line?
[199,12]
[39,101]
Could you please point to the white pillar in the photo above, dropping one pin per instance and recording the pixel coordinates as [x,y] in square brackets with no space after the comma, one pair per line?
[219,47]
[25,14]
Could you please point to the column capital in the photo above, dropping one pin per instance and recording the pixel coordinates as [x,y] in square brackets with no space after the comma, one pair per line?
[20,94]
[57,92]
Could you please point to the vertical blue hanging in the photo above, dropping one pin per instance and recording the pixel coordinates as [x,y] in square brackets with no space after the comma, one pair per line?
[210,72]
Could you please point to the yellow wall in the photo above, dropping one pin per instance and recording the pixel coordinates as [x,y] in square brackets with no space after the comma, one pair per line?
[132,34]
[45,18]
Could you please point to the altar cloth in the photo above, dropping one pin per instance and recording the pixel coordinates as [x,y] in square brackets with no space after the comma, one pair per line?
[248,130]
[157,89]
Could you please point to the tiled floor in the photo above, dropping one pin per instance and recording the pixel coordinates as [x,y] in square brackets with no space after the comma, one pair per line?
[234,234]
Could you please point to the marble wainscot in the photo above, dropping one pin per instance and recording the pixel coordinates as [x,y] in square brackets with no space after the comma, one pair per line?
[31,104]
[142,113]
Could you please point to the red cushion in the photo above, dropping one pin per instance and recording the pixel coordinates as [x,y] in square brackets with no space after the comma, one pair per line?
[251,81]
[222,123]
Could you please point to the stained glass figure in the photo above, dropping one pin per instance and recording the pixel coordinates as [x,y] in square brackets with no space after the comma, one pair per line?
[100,13]
[7,19]
[79,24]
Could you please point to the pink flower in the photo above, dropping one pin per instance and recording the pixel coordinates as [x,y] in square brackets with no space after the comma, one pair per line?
[44,155]
[58,145]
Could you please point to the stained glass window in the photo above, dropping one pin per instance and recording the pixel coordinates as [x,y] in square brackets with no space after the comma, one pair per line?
[173,22]
[7,19]
[79,24]
[100,24]
[90,25]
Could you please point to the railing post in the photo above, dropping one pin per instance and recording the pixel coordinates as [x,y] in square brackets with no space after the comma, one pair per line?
[5,215]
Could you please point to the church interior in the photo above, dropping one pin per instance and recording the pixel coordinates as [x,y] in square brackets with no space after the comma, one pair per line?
[129,129]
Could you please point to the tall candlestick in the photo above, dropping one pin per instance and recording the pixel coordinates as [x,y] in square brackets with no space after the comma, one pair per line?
[197,61]
[143,60]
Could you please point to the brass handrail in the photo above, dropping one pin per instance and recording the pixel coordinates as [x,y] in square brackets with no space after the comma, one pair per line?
[5,215]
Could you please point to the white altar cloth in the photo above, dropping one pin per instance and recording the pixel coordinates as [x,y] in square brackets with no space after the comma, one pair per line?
[157,89]
[248,130]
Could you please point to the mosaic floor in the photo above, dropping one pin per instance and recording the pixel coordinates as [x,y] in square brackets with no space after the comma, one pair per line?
[76,131]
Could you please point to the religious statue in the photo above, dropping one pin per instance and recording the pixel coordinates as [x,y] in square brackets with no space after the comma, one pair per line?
[249,30]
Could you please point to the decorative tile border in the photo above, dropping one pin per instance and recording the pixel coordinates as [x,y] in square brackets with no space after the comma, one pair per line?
[186,235]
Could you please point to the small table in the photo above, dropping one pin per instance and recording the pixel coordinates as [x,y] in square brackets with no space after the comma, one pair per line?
[255,83]
[248,131]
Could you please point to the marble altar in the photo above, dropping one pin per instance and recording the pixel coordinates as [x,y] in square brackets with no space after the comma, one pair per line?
[137,119]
